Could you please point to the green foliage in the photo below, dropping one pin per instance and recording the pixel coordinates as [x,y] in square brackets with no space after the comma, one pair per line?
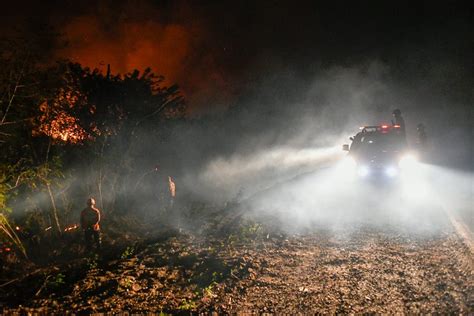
[127,253]
[208,290]
[187,305]
[126,283]
[56,282]
[247,232]
[93,262]
[3,195]
[35,176]
[251,230]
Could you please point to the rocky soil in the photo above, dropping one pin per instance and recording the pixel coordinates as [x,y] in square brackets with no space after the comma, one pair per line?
[253,269]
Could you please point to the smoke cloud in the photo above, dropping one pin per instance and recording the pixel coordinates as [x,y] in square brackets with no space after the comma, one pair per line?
[172,42]
[293,94]
[280,156]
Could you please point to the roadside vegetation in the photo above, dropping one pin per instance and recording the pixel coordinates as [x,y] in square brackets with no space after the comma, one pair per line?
[68,133]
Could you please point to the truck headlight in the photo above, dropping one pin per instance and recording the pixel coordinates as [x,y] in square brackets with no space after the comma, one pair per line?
[363,171]
[408,161]
[391,171]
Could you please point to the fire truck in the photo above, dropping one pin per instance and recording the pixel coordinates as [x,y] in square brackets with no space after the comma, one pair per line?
[379,152]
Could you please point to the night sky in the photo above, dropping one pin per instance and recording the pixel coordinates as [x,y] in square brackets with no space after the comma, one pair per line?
[215,50]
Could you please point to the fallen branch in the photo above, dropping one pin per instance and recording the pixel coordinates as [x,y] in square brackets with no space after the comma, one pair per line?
[42,286]
[19,279]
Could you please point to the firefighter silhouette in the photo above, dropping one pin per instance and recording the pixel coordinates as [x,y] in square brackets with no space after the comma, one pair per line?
[90,218]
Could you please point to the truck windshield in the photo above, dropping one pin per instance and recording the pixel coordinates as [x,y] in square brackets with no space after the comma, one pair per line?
[376,142]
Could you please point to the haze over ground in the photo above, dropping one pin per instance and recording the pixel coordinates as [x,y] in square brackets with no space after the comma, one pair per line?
[279,87]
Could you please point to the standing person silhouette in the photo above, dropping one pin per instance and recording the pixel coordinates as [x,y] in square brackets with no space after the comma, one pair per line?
[400,122]
[90,218]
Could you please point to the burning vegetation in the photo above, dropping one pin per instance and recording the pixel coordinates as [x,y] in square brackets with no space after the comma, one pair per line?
[80,111]
[58,125]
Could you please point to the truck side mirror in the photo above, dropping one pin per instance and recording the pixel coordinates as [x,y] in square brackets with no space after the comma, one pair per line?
[351,138]
[345,147]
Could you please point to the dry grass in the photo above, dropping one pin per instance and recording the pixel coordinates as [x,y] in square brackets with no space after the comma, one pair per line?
[7,230]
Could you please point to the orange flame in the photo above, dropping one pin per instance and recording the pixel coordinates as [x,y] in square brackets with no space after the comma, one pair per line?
[71,227]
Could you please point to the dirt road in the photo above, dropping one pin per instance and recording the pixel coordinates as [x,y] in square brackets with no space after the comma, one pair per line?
[338,253]
[369,271]
[355,248]
[254,269]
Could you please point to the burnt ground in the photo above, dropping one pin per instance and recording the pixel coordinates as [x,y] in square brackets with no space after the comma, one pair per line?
[247,267]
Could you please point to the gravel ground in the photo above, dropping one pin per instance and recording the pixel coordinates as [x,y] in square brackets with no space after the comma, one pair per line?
[373,272]
[370,271]
[254,270]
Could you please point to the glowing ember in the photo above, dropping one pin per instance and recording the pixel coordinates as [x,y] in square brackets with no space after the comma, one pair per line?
[72,227]
[59,125]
